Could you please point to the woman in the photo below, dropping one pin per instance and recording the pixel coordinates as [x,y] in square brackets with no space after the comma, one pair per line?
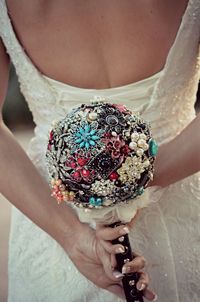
[103,45]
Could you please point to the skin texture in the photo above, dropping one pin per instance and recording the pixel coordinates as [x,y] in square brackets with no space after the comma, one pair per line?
[97,44]
[89,44]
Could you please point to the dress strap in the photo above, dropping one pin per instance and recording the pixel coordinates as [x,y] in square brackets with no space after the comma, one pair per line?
[182,63]
[28,74]
[182,57]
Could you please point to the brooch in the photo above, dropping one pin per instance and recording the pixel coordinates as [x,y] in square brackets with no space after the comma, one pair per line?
[99,155]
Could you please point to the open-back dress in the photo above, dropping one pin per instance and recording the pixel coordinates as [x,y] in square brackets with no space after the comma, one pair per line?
[167,233]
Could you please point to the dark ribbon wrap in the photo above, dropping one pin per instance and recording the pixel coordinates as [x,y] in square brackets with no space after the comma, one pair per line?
[129,281]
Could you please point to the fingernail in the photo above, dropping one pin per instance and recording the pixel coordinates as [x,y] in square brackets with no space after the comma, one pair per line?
[126,269]
[155,299]
[117,274]
[141,286]
[124,231]
[119,250]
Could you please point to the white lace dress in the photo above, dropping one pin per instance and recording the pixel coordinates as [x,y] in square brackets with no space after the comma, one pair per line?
[167,232]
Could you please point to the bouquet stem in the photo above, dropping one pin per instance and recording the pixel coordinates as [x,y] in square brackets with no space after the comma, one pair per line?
[129,281]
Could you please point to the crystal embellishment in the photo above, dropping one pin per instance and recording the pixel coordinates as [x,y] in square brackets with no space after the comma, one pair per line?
[153,147]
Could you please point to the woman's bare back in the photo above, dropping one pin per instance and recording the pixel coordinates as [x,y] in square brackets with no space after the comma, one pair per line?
[97,44]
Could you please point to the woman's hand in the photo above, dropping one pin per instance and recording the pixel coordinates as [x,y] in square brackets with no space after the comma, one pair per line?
[93,255]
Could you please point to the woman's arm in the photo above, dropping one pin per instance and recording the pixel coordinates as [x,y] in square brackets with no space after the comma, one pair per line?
[21,183]
[24,187]
[180,157]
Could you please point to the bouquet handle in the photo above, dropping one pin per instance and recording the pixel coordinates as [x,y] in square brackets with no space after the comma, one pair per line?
[129,281]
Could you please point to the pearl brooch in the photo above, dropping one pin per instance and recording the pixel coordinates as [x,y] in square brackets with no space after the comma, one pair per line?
[133,145]
[134,136]
[139,151]
[92,116]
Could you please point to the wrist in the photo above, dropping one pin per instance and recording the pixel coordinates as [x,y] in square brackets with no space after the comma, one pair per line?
[70,234]
[66,225]
[76,242]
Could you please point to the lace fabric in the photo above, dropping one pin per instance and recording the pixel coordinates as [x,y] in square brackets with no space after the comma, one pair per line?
[167,232]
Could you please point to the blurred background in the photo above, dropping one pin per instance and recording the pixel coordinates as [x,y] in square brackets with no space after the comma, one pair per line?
[19,119]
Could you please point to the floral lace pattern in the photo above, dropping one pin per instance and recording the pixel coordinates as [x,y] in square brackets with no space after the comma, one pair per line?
[167,233]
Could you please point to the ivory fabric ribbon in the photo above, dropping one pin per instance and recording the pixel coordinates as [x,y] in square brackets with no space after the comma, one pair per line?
[121,212]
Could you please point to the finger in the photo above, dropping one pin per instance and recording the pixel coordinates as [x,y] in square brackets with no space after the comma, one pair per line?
[112,248]
[108,233]
[150,295]
[135,265]
[143,281]
[112,274]
[142,285]
[113,261]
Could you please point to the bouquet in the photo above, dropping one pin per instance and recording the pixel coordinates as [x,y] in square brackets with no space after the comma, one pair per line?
[100,160]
